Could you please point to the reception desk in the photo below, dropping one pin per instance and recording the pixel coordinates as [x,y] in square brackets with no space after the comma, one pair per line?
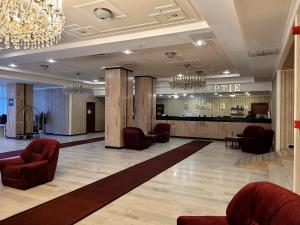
[210,127]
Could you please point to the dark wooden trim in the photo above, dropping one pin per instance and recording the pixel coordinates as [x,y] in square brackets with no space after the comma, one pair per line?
[118,67]
[111,147]
[145,76]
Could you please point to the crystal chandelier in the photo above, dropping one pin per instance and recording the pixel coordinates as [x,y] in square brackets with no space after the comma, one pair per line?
[78,88]
[30,24]
[188,81]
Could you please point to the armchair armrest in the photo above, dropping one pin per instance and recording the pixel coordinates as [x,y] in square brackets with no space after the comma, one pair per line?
[10,162]
[34,165]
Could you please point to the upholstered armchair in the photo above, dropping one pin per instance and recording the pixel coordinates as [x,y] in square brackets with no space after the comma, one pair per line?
[134,138]
[162,132]
[35,166]
[258,203]
[256,139]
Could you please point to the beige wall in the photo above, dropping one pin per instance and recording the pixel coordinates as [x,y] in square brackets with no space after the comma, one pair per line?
[78,114]
[209,105]
[66,115]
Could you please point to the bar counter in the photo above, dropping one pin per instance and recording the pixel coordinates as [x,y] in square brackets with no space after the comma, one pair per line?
[210,127]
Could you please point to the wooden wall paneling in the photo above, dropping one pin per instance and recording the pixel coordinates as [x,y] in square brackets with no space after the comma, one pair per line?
[286,108]
[29,113]
[130,83]
[206,129]
[78,115]
[11,111]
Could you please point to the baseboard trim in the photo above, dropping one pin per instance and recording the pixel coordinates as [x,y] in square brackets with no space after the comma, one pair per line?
[112,147]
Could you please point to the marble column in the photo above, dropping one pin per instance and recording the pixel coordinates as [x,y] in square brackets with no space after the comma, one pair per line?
[19,121]
[118,105]
[145,102]
[297,110]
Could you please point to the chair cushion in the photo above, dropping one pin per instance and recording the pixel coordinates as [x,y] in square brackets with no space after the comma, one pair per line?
[202,220]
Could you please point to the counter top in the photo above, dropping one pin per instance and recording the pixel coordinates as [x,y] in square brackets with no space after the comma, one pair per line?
[216,119]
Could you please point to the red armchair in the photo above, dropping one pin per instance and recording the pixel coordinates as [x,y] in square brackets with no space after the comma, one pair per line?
[162,132]
[35,166]
[258,203]
[256,139]
[134,138]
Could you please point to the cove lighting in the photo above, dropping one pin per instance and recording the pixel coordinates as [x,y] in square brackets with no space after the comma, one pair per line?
[13,65]
[127,52]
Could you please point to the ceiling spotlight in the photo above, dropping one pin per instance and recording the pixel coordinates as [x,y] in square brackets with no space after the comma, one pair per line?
[13,65]
[216,93]
[247,93]
[51,61]
[103,13]
[176,96]
[184,95]
[169,96]
[200,43]
[160,95]
[127,52]
[232,96]
[226,72]
[95,81]
[192,96]
[220,95]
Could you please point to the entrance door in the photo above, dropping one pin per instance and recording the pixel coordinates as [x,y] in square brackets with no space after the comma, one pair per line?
[90,117]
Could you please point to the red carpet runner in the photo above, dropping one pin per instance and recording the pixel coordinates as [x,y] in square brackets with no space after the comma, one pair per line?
[74,206]
[4,155]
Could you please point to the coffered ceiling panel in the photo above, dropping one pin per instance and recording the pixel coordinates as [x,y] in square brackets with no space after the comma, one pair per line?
[128,16]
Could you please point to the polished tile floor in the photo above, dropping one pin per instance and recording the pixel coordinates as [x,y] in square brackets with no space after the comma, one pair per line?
[8,145]
[202,184]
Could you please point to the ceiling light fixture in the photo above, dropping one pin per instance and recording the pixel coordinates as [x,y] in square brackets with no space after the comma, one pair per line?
[78,87]
[232,95]
[176,96]
[30,24]
[103,13]
[188,81]
[226,72]
[127,52]
[200,43]
[192,96]
[51,61]
[13,65]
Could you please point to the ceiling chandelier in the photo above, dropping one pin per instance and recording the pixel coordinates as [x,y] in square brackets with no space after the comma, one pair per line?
[188,81]
[78,87]
[30,24]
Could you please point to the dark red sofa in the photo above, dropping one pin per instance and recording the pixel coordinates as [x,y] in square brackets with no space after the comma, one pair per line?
[134,138]
[256,139]
[162,132]
[35,166]
[258,203]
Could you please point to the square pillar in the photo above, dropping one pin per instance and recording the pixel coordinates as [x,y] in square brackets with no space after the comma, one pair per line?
[118,105]
[19,118]
[145,102]
[297,110]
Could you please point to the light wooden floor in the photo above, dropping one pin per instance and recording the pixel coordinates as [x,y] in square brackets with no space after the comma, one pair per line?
[202,184]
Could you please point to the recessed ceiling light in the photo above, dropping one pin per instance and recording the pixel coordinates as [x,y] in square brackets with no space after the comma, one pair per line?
[232,96]
[220,95]
[51,61]
[184,94]
[169,96]
[103,13]
[216,93]
[127,52]
[13,65]
[95,81]
[176,96]
[226,72]
[192,96]
[200,43]
[160,95]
